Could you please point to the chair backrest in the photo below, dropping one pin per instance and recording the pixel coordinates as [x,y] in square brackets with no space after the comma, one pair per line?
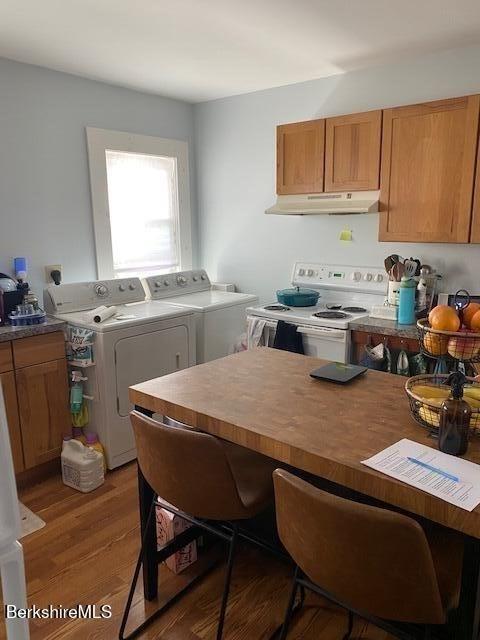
[374,560]
[187,468]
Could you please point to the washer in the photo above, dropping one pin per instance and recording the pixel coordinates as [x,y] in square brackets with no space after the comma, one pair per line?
[220,315]
[145,340]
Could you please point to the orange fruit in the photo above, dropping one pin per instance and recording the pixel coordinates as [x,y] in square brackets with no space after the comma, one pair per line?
[445,319]
[438,309]
[469,312]
[475,322]
[435,344]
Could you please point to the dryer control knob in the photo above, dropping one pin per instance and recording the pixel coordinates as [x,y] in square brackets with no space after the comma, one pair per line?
[166,283]
[181,280]
[203,276]
[132,287]
[195,278]
[101,290]
[158,284]
[122,287]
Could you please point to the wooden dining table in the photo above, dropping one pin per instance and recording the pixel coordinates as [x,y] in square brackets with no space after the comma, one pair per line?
[265,400]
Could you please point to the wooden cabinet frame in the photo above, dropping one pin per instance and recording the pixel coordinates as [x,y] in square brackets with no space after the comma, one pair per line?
[302,171]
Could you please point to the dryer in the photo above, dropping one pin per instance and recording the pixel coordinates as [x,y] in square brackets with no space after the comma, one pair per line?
[220,315]
[146,339]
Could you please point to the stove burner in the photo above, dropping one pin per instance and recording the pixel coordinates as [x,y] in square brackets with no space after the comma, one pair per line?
[355,309]
[334,307]
[276,307]
[332,315]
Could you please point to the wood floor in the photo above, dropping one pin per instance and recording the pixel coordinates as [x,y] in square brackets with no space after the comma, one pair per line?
[86,554]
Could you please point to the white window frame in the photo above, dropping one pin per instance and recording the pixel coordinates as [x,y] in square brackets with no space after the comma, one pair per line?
[100,140]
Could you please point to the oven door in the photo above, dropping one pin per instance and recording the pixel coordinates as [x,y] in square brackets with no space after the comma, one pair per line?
[318,342]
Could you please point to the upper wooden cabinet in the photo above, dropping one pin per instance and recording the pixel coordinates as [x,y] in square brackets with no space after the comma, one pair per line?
[427,174]
[352,152]
[475,229]
[300,150]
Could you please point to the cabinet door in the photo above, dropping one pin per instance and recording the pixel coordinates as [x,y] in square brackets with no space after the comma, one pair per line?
[300,157]
[352,152]
[428,163]
[7,380]
[475,229]
[42,401]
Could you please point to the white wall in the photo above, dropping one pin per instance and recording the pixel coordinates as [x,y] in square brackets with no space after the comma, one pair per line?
[235,158]
[45,208]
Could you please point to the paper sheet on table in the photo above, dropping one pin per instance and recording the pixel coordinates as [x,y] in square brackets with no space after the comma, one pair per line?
[393,462]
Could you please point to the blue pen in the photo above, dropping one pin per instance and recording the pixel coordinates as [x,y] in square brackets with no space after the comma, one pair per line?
[435,469]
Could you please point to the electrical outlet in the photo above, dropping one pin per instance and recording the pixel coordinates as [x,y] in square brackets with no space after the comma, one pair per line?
[48,270]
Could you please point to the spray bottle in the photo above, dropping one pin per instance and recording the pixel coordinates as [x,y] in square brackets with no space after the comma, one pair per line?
[455,416]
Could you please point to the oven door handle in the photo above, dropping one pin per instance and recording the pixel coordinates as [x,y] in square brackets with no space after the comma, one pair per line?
[324,332]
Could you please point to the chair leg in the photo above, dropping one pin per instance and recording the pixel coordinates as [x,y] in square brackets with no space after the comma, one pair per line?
[350,626]
[228,580]
[138,566]
[290,606]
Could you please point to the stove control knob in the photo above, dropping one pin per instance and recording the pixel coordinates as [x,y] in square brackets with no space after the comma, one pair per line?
[122,287]
[101,290]
[181,280]
[203,276]
[368,277]
[166,283]
[355,276]
[309,273]
[301,272]
[378,277]
[132,287]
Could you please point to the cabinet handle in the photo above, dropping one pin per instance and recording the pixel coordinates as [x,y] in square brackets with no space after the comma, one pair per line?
[177,358]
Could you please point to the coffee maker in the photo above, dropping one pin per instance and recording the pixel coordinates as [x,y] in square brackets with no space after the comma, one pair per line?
[10,296]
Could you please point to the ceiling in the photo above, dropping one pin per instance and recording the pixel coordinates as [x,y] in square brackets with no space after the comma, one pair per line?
[204,49]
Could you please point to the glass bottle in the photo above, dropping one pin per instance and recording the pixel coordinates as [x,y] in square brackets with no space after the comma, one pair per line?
[455,416]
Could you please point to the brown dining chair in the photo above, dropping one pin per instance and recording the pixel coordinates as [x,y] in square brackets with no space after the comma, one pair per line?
[207,479]
[376,563]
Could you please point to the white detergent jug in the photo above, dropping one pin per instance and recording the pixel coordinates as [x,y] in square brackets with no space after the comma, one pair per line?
[82,467]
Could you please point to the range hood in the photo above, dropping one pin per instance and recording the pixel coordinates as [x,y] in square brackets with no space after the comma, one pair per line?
[334,204]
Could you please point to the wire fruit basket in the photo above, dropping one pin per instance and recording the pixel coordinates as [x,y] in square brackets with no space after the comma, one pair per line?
[426,394]
[459,345]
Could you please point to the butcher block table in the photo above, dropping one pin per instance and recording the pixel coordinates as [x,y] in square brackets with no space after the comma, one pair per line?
[265,400]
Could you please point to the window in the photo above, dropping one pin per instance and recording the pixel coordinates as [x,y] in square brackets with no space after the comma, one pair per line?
[141,204]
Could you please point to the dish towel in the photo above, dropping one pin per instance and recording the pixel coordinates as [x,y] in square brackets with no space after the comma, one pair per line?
[255,332]
[287,338]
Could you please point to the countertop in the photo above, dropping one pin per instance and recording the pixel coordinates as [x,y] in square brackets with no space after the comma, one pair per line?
[386,327]
[13,333]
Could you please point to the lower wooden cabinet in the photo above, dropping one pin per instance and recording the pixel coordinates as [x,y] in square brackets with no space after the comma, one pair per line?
[7,380]
[42,391]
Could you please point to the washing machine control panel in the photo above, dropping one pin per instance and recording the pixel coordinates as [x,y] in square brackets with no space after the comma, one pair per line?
[176,284]
[80,296]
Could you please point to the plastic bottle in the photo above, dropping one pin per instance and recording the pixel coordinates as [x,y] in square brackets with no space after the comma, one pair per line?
[422,294]
[82,467]
[455,416]
[76,392]
[93,442]
[406,301]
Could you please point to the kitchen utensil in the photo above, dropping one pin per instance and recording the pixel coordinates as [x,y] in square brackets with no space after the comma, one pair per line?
[410,268]
[419,265]
[397,271]
[389,262]
[298,297]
